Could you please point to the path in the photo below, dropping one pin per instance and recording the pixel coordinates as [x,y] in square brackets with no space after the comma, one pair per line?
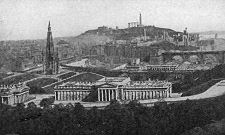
[216,90]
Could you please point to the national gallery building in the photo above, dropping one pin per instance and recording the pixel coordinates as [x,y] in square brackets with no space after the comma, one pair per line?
[114,88]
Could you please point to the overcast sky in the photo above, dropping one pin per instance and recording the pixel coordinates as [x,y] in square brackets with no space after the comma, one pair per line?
[28,19]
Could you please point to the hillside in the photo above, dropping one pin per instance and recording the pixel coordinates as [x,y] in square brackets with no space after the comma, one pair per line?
[102,35]
[129,33]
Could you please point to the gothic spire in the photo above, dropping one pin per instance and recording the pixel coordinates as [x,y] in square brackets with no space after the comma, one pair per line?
[49,27]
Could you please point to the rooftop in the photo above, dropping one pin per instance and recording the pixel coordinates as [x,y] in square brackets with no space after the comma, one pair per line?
[114,80]
[12,89]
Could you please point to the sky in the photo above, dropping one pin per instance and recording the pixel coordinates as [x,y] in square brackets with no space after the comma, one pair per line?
[28,19]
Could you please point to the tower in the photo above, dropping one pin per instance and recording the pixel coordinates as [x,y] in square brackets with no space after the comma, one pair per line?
[140,20]
[50,57]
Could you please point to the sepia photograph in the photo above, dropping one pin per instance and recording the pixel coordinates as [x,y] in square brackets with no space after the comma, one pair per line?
[112,67]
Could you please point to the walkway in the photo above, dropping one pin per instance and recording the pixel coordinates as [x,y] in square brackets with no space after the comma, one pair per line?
[216,90]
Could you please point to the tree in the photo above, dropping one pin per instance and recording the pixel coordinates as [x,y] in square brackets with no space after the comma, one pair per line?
[45,102]
[31,105]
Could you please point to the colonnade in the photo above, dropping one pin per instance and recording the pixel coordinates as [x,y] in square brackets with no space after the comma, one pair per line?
[21,97]
[71,95]
[144,94]
[133,24]
[107,94]
[161,68]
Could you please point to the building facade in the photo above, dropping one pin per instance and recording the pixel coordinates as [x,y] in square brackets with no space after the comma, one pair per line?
[75,91]
[114,88]
[162,68]
[135,91]
[13,94]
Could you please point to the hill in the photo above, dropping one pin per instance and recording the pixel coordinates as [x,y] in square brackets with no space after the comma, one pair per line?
[211,32]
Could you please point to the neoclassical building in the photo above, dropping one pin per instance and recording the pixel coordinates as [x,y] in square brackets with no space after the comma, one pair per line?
[114,88]
[13,94]
[165,68]
[72,91]
[134,90]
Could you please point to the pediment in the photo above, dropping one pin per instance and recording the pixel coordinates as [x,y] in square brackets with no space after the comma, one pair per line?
[107,85]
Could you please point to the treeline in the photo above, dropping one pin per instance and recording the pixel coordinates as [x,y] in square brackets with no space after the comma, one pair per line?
[115,119]
[199,77]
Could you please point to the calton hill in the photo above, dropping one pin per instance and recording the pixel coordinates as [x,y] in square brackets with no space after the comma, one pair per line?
[190,117]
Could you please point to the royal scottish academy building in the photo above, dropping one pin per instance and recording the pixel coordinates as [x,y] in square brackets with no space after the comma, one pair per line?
[13,94]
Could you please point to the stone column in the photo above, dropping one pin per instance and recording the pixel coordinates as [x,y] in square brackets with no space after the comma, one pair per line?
[129,95]
[101,95]
[113,94]
[56,95]
[62,95]
[109,98]
[98,95]
[73,95]
[144,95]
[82,95]
[78,95]
[69,96]
[149,94]
[116,93]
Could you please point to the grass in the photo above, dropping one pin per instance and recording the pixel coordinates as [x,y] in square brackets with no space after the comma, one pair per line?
[41,82]
[66,75]
[18,78]
[200,88]
[3,75]
[87,77]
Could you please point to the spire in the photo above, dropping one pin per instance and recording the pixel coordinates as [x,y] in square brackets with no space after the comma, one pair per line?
[140,20]
[49,27]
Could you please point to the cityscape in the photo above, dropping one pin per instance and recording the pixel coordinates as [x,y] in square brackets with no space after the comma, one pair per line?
[137,77]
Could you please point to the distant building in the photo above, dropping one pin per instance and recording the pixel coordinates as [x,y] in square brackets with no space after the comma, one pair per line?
[13,94]
[51,61]
[136,24]
[162,68]
[65,50]
[185,37]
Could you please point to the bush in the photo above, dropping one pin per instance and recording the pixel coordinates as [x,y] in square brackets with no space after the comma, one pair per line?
[45,102]
[36,90]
